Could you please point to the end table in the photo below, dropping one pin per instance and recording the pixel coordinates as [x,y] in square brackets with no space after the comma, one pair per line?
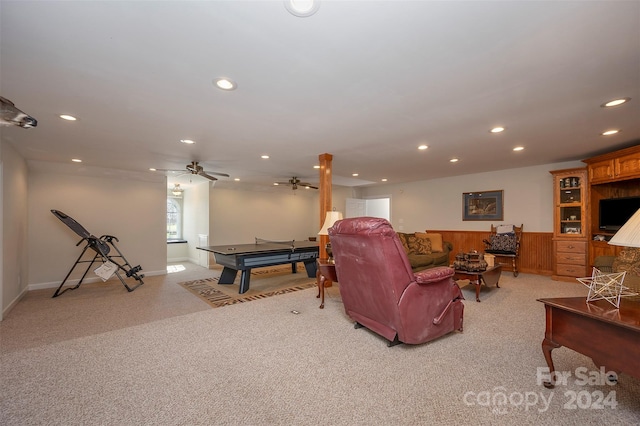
[326,271]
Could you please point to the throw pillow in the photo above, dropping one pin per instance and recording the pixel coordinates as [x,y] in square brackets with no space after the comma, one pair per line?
[418,245]
[403,240]
[505,243]
[504,229]
[628,261]
[436,240]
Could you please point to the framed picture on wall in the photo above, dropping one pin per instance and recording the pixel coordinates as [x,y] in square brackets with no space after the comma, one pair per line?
[485,205]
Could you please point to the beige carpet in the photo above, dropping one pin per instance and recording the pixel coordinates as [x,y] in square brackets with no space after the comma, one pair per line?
[265,282]
[160,356]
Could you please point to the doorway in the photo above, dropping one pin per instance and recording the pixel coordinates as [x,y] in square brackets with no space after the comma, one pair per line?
[373,207]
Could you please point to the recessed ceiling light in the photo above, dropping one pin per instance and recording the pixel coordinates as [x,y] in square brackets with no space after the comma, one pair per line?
[151,169]
[610,132]
[453,160]
[68,117]
[615,102]
[354,174]
[236,179]
[518,148]
[316,166]
[225,84]
[302,8]
[423,147]
[188,141]
[497,130]
[383,179]
[275,184]
[264,157]
[76,160]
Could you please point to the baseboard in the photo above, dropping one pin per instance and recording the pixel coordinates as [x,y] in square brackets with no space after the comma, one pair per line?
[56,284]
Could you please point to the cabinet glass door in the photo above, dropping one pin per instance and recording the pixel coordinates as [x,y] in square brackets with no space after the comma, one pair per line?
[570,191]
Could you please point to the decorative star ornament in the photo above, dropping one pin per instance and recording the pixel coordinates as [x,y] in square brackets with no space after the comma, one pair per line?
[606,286]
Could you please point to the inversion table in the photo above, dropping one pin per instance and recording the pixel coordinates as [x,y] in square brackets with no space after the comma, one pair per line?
[102,247]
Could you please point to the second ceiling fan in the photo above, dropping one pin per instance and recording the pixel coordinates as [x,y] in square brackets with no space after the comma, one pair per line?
[196,169]
[294,182]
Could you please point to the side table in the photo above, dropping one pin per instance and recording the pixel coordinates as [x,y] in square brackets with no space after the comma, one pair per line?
[326,271]
[490,276]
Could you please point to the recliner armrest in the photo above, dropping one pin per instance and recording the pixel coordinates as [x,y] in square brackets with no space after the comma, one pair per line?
[432,275]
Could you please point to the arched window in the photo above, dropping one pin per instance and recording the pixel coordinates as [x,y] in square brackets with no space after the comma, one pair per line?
[174,219]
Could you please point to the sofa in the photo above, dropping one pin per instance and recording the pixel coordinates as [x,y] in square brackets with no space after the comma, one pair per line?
[380,291]
[425,250]
[627,261]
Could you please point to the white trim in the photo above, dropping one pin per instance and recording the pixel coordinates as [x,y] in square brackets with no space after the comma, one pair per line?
[55,284]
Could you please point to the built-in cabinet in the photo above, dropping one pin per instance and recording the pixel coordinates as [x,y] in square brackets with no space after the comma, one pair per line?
[614,166]
[570,223]
[612,175]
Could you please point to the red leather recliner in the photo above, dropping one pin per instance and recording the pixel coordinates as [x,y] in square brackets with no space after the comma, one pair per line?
[380,291]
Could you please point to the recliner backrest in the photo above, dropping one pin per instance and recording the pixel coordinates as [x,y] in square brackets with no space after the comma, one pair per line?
[371,265]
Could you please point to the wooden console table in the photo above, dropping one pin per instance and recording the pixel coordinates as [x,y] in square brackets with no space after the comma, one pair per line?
[609,336]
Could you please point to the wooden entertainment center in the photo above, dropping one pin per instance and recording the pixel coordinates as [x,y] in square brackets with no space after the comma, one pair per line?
[612,175]
[577,194]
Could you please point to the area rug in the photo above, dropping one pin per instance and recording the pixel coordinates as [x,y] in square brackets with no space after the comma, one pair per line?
[265,282]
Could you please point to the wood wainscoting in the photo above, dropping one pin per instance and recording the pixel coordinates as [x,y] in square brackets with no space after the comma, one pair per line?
[536,249]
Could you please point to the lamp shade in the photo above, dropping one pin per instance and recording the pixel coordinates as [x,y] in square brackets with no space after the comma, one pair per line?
[629,234]
[331,218]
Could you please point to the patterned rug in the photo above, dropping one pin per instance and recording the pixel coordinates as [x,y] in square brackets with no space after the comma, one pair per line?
[268,282]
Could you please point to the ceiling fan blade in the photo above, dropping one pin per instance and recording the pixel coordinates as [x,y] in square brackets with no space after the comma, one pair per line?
[204,175]
[170,170]
[216,173]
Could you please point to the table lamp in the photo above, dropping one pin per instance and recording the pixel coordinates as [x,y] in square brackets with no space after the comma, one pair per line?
[331,218]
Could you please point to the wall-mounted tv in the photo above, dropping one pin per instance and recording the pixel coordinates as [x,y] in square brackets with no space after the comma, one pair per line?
[615,212]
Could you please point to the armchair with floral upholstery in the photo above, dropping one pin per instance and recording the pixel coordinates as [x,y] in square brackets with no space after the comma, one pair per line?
[628,260]
[381,292]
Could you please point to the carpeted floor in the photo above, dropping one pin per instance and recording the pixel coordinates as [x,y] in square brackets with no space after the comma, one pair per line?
[161,356]
[265,282]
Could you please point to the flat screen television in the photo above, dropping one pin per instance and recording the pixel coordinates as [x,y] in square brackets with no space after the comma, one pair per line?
[615,212]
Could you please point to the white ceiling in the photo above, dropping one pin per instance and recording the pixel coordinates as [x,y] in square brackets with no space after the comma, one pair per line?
[365,81]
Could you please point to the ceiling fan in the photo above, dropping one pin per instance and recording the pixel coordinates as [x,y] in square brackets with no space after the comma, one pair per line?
[196,169]
[295,182]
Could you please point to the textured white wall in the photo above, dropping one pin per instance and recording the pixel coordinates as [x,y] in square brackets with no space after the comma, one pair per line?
[437,203]
[238,216]
[14,267]
[196,216]
[133,211]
